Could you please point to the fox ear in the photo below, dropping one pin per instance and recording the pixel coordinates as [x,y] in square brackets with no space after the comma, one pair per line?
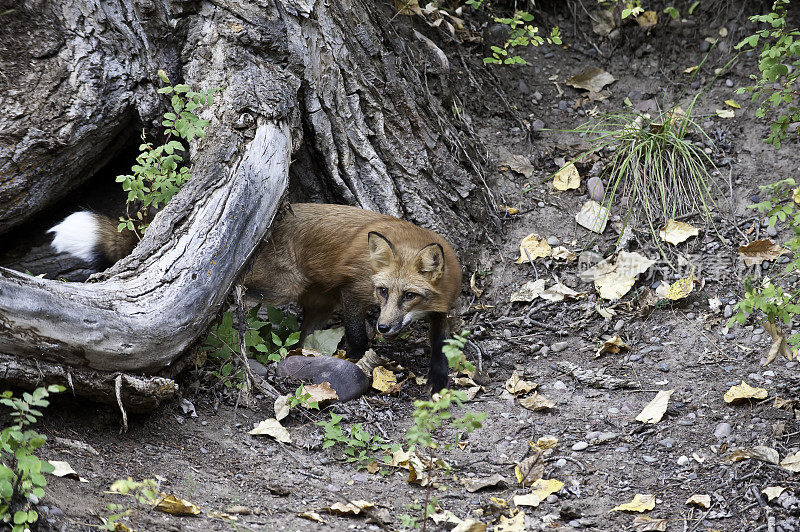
[381,251]
[430,261]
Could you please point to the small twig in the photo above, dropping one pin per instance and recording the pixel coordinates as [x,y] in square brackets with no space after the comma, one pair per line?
[118,393]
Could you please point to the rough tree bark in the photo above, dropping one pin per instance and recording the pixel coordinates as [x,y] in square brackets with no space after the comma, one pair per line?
[332,87]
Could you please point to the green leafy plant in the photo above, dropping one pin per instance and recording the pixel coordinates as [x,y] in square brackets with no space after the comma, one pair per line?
[779,64]
[521,33]
[266,341]
[144,492]
[302,398]
[360,447]
[158,173]
[21,471]
[657,163]
[776,297]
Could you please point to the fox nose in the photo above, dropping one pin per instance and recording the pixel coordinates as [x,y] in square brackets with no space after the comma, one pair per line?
[383,328]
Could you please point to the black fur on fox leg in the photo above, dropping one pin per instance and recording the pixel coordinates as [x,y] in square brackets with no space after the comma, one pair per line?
[437,374]
[354,330]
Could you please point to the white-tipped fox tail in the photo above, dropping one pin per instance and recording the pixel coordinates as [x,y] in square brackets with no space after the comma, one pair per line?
[78,234]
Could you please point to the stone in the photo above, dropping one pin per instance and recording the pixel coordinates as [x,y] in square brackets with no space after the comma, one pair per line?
[557,347]
[580,446]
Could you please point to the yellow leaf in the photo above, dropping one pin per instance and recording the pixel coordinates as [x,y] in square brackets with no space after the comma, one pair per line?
[272,427]
[470,525]
[532,247]
[320,393]
[513,524]
[655,409]
[647,19]
[312,516]
[702,500]
[529,291]
[536,402]
[613,281]
[744,391]
[567,178]
[758,251]
[792,462]
[691,69]
[640,503]
[529,499]
[351,508]
[681,288]
[172,505]
[515,385]
[407,7]
[509,210]
[725,113]
[613,345]
[676,232]
[733,104]
[383,379]
[544,443]
[542,488]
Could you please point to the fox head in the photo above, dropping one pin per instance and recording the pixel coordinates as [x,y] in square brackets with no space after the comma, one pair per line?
[405,281]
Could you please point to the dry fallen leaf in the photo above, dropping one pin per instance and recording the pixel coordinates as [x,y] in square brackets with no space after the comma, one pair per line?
[592,216]
[773,492]
[560,252]
[520,165]
[542,488]
[383,379]
[446,516]
[614,280]
[676,232]
[320,393]
[272,427]
[408,7]
[515,385]
[536,402]
[558,292]
[603,22]
[779,346]
[473,286]
[513,524]
[529,470]
[725,113]
[474,484]
[643,523]
[613,345]
[544,443]
[533,247]
[470,525]
[701,500]
[351,508]
[691,69]
[648,19]
[172,505]
[680,288]
[529,499]
[567,178]
[510,210]
[761,452]
[63,469]
[744,391]
[655,409]
[281,407]
[529,291]
[758,251]
[312,516]
[792,462]
[591,79]
[640,503]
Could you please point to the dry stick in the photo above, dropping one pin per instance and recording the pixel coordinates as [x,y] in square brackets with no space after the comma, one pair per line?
[118,392]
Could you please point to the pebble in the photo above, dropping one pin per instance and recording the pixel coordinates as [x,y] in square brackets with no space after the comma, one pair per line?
[540,204]
[33,498]
[663,366]
[557,347]
[729,82]
[552,240]
[683,460]
[537,125]
[652,349]
[705,46]
[55,510]
[635,96]
[558,385]
[728,312]
[594,185]
[635,357]
[562,105]
[619,325]
[669,443]
[552,498]
[544,351]
[772,231]
[593,435]
[575,523]
[649,459]
[730,336]
[561,462]
[690,316]
[537,96]
[605,436]
[580,446]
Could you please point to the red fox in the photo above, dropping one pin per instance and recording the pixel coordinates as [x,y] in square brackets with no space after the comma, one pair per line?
[324,256]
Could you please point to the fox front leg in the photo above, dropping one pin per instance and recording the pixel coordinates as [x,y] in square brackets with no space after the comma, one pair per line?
[354,330]
[437,374]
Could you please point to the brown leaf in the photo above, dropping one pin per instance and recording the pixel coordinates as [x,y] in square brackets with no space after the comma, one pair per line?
[613,345]
[779,346]
[643,523]
[474,484]
[321,393]
[536,402]
[591,79]
[172,505]
[520,165]
[529,470]
[758,251]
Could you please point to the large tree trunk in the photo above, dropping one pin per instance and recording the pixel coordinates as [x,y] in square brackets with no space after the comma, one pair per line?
[330,82]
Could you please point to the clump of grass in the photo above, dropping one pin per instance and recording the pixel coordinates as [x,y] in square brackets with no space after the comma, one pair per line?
[657,163]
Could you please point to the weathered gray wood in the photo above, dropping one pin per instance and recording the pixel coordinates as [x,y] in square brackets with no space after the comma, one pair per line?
[137,394]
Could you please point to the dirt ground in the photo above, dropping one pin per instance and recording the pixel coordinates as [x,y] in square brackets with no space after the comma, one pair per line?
[603,456]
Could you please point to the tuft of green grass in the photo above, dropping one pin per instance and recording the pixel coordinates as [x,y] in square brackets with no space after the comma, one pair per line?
[658,163]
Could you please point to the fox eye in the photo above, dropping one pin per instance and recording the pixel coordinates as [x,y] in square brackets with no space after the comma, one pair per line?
[409,296]
[383,291]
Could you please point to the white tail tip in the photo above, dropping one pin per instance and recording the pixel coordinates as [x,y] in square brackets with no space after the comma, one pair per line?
[77,235]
